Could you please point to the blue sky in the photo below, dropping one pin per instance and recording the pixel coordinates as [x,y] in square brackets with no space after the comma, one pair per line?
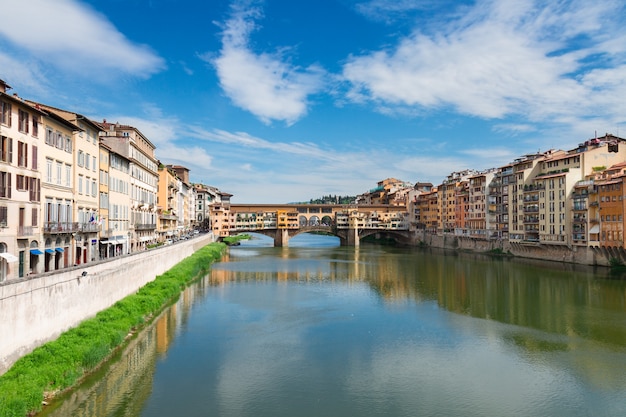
[285,100]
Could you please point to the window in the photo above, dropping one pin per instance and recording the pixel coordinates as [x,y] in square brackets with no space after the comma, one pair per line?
[87,186]
[34,162]
[21,183]
[93,188]
[22,120]
[59,140]
[6,149]
[49,136]
[59,166]
[68,144]
[5,113]
[93,164]
[81,159]
[22,154]
[35,217]
[80,184]
[87,161]
[68,175]
[4,216]
[35,125]
[34,189]
[48,170]
[5,184]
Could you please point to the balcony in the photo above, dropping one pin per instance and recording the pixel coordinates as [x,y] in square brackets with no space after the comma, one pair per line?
[88,227]
[60,227]
[534,187]
[145,226]
[25,231]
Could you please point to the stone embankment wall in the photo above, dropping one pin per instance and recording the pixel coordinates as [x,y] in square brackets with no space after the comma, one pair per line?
[557,253]
[38,309]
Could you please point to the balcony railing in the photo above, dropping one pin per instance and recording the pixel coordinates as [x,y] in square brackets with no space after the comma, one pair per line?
[25,231]
[60,227]
[88,227]
[145,226]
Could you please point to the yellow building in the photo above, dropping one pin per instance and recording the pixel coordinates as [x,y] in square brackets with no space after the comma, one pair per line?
[57,192]
[167,220]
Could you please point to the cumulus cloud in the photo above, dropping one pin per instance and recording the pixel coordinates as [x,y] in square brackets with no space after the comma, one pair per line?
[501,58]
[265,84]
[72,36]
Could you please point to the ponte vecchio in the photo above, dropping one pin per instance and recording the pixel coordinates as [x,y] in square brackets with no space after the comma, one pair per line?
[350,223]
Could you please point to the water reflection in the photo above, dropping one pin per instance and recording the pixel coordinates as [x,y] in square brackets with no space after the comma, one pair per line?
[327,330]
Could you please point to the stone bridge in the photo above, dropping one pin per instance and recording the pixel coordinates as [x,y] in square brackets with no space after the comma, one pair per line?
[350,223]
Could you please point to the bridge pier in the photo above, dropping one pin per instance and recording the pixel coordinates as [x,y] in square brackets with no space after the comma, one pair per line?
[281,238]
[352,239]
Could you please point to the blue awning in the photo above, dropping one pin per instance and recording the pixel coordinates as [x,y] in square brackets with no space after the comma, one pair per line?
[36,252]
[59,249]
[49,250]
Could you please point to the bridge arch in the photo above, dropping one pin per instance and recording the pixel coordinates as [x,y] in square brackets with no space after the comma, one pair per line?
[400,236]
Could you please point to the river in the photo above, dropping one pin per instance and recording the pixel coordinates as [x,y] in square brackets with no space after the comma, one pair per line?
[315,329]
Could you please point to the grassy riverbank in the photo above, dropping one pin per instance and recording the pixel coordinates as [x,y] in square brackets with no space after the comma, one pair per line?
[234,240]
[60,364]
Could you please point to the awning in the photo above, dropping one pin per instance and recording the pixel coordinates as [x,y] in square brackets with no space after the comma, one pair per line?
[36,252]
[59,249]
[595,229]
[9,257]
[49,250]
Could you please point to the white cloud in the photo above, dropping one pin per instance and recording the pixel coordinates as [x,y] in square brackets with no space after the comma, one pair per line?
[75,38]
[264,84]
[502,58]
[167,135]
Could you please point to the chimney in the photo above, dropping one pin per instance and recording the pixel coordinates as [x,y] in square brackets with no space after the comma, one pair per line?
[4,86]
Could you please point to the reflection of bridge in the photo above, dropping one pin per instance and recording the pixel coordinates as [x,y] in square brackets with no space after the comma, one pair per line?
[350,223]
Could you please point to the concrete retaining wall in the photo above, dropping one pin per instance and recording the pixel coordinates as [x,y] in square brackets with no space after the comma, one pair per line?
[557,253]
[38,309]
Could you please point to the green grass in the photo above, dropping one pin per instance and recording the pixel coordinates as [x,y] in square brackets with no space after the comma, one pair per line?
[60,364]
[229,240]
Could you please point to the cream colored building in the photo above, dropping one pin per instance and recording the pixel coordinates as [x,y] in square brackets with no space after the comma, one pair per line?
[103,200]
[549,195]
[129,142]
[185,199]
[118,229]
[57,192]
[86,181]
[21,247]
[523,169]
[167,221]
